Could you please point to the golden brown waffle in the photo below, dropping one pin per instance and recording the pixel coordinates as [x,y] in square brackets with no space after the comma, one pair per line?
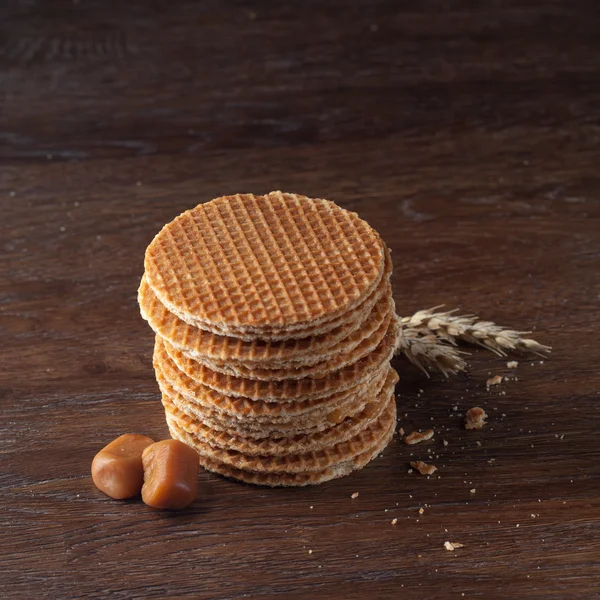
[309,363]
[344,467]
[246,414]
[262,263]
[284,424]
[274,328]
[305,462]
[236,345]
[352,349]
[198,343]
[277,391]
[258,430]
[281,446]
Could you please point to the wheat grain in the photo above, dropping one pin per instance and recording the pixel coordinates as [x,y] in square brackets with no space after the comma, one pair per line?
[450,327]
[428,352]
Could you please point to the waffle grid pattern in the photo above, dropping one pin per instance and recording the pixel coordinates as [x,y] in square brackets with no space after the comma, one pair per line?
[274,327]
[274,260]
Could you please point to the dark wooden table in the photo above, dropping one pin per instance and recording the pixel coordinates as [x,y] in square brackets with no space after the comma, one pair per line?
[466,132]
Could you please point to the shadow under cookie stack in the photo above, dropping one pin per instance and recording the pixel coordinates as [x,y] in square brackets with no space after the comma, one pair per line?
[275,327]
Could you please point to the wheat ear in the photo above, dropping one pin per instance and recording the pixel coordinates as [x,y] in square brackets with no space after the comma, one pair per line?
[428,352]
[450,327]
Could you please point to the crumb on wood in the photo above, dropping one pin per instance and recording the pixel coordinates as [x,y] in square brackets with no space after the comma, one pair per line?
[355,495]
[451,546]
[495,380]
[423,468]
[473,491]
[475,418]
[401,431]
[394,521]
[512,364]
[421,511]
[418,436]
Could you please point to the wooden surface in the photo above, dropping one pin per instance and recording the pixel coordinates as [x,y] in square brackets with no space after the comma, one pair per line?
[466,132]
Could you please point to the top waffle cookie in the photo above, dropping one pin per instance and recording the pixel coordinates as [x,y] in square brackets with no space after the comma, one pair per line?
[262,263]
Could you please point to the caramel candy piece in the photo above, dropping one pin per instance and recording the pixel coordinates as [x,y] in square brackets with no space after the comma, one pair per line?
[336,416]
[117,469]
[170,475]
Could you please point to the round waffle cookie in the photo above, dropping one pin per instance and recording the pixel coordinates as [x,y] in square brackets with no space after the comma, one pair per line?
[285,424]
[237,346]
[264,263]
[344,467]
[274,328]
[282,391]
[257,430]
[360,344]
[244,414]
[271,445]
[198,343]
[303,462]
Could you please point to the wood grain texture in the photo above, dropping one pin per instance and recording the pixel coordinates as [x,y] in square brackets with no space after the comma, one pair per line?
[466,132]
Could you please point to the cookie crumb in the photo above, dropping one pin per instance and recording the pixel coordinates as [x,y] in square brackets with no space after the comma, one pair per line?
[417,436]
[473,491]
[475,418]
[421,511]
[451,546]
[423,468]
[394,521]
[495,380]
[513,364]
[355,495]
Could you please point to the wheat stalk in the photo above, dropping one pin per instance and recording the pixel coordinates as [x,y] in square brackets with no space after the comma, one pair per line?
[427,352]
[450,328]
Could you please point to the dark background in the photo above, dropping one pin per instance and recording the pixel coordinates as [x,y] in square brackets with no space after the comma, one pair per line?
[466,132]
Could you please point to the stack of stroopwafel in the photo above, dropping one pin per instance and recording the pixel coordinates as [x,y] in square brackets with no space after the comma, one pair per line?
[275,326]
